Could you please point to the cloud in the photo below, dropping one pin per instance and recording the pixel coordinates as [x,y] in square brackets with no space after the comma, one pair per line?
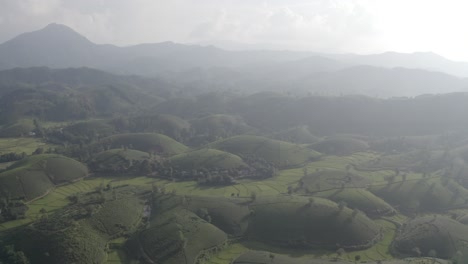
[362,26]
[313,25]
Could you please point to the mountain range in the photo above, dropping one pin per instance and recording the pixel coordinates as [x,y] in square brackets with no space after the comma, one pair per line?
[202,68]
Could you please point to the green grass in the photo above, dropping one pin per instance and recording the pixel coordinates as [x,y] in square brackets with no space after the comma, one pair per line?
[423,194]
[299,135]
[442,234]
[116,216]
[20,145]
[295,221]
[418,161]
[146,142]
[340,146]
[282,154]
[18,129]
[380,251]
[163,241]
[267,190]
[34,176]
[111,160]
[207,158]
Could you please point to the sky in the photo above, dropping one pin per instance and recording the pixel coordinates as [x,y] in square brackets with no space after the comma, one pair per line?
[332,26]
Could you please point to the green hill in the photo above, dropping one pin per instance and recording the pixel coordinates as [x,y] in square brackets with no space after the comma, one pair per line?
[340,146]
[117,160]
[426,195]
[294,221]
[344,186]
[263,257]
[36,175]
[84,131]
[175,235]
[441,235]
[147,142]
[299,135]
[207,158]
[170,125]
[417,161]
[220,125]
[280,153]
[18,129]
[228,215]
[80,232]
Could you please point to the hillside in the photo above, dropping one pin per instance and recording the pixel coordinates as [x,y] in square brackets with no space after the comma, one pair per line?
[34,176]
[279,153]
[438,234]
[318,223]
[146,142]
[207,158]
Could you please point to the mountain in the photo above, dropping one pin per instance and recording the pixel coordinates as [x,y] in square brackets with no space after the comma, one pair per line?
[418,60]
[198,68]
[55,46]
[58,46]
[75,93]
[381,82]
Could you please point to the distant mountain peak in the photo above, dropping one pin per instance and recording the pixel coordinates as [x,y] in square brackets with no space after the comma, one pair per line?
[53,31]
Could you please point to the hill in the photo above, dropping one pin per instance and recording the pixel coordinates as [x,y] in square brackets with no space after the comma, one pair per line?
[298,135]
[430,194]
[312,223]
[264,257]
[218,125]
[341,186]
[175,235]
[74,93]
[34,176]
[17,129]
[340,146]
[146,142]
[441,235]
[207,158]
[169,125]
[117,161]
[80,232]
[421,161]
[279,153]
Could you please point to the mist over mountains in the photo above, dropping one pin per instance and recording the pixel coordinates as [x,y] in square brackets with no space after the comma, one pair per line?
[207,68]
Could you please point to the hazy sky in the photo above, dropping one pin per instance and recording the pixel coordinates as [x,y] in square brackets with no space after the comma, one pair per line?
[359,26]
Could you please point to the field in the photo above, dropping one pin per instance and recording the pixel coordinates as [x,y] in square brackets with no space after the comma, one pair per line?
[20,145]
[265,189]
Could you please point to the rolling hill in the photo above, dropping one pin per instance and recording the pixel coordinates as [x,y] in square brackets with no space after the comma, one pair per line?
[279,153]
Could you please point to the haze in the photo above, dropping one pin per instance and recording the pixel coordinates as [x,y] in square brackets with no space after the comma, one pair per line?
[356,26]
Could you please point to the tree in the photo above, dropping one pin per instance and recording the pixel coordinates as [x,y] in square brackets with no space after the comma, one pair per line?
[432,253]
[272,257]
[340,252]
[253,196]
[357,258]
[355,213]
[38,151]
[416,251]
[341,205]
[311,201]
[43,212]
